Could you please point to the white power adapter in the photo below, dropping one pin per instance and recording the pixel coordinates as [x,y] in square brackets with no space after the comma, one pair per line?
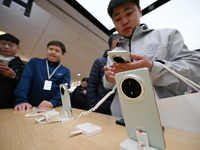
[89,129]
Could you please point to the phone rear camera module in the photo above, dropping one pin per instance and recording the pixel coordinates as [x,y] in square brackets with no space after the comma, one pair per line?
[131,88]
[118,59]
[62,91]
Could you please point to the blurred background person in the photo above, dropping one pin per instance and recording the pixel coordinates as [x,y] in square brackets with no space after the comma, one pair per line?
[78,96]
[95,89]
[11,68]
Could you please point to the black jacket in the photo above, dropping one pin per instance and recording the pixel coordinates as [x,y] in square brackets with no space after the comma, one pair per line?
[7,85]
[95,88]
[78,99]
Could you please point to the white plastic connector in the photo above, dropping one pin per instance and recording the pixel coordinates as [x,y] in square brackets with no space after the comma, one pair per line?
[142,138]
[130,144]
[37,120]
[142,143]
[50,113]
[64,119]
[76,132]
[89,129]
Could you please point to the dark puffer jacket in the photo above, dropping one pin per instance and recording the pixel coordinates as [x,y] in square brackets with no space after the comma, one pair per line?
[95,88]
[7,85]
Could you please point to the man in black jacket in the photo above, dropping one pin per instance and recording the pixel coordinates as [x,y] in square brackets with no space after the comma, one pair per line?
[78,97]
[11,68]
[95,89]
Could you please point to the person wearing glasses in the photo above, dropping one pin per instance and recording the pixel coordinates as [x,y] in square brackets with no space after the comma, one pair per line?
[11,68]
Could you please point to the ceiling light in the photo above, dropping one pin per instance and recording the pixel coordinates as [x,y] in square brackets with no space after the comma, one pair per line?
[2,32]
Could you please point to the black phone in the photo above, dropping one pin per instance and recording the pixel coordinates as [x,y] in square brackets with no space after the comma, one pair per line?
[120,122]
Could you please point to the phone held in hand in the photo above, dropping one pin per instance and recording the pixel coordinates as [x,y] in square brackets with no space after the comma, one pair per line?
[5,62]
[119,56]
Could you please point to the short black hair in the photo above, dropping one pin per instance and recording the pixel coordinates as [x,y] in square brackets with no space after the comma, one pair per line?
[9,37]
[84,79]
[57,43]
[115,3]
[111,38]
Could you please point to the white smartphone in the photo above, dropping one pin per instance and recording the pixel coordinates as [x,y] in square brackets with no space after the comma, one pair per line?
[119,56]
[65,97]
[5,62]
[139,106]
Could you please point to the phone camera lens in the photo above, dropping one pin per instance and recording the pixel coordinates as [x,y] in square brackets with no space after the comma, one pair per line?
[118,59]
[131,88]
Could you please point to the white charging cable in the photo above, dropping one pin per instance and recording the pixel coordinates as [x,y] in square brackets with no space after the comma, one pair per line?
[47,120]
[34,114]
[61,119]
[184,79]
[91,110]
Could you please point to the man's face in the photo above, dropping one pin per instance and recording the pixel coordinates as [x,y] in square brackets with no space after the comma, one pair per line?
[114,43]
[126,17]
[8,48]
[84,84]
[54,53]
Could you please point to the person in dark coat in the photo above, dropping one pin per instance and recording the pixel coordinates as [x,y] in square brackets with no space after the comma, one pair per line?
[78,97]
[11,68]
[95,89]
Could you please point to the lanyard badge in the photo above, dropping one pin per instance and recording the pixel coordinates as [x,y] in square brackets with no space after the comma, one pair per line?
[48,83]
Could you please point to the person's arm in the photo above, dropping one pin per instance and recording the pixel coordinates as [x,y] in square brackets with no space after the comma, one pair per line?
[23,87]
[7,72]
[177,57]
[14,69]
[23,106]
[108,79]
[45,104]
[56,100]
[18,66]
[182,61]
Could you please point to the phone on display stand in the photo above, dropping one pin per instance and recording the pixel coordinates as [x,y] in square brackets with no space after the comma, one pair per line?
[139,106]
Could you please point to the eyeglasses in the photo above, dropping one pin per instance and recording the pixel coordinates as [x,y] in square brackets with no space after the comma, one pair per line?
[10,44]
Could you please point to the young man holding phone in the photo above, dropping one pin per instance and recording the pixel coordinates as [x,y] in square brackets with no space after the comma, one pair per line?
[148,48]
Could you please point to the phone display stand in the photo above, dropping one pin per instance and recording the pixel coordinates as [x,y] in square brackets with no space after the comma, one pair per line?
[65,118]
[66,103]
[139,109]
[130,144]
